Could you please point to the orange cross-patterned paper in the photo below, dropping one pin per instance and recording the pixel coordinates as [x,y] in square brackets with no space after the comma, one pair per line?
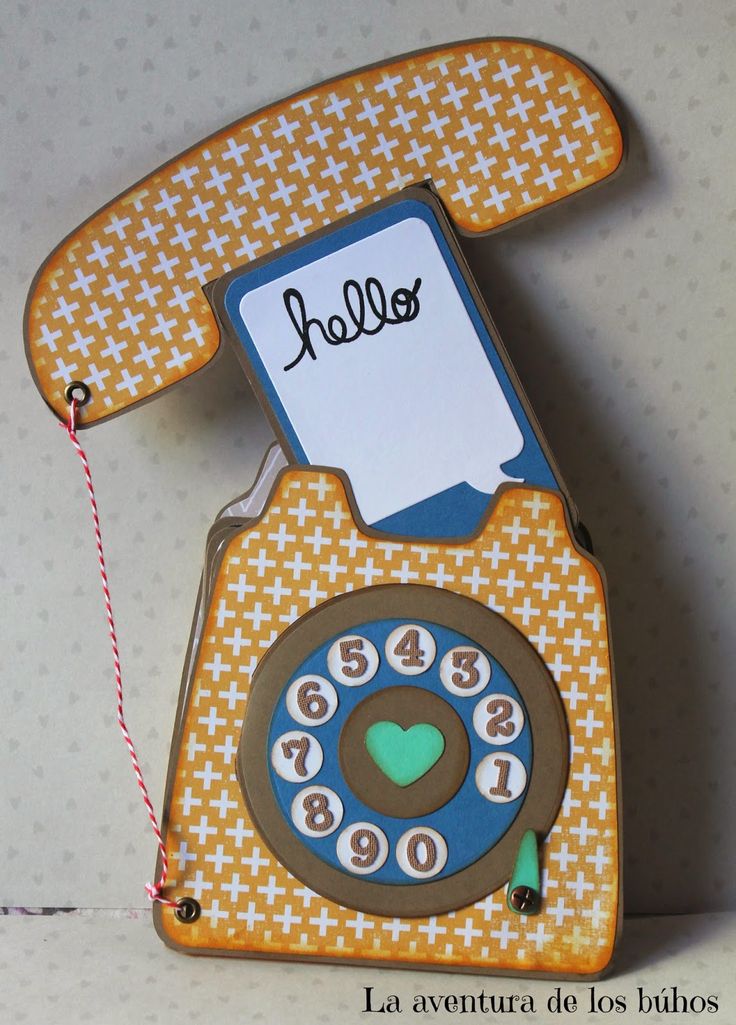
[305,549]
[501,127]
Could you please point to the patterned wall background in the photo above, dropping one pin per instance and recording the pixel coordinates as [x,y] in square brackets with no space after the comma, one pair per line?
[615,310]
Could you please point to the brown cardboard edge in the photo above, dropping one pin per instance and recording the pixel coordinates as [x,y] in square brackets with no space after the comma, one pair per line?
[217,533]
[183,702]
[218,537]
[604,90]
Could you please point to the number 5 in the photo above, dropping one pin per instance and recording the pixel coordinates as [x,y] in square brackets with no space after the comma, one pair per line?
[352,651]
[352,660]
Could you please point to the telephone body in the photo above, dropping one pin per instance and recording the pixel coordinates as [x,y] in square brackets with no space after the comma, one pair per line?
[396,733]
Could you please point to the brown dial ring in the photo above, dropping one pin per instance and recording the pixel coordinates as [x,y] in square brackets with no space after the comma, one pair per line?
[508,646]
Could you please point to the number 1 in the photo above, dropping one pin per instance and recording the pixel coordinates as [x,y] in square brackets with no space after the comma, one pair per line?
[500,789]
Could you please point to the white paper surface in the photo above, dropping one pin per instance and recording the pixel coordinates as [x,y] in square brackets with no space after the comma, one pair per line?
[395,409]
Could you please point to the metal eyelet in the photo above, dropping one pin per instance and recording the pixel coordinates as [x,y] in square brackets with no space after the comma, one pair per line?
[77,390]
[188,910]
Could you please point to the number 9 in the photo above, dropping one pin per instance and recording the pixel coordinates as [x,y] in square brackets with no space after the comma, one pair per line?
[362,848]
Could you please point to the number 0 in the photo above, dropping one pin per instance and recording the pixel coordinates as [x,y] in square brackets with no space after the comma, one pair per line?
[427,863]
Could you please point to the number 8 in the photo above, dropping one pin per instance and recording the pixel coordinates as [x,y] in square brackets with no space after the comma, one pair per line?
[319,818]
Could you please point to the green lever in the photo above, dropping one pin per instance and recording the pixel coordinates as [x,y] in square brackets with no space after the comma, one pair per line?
[524,893]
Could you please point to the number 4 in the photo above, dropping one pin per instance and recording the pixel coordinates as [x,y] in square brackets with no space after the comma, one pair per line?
[409,651]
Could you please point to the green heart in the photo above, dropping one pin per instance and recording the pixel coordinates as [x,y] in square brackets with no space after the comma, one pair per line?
[404,755]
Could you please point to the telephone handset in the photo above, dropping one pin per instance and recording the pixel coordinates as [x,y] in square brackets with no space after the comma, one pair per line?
[502,128]
[396,739]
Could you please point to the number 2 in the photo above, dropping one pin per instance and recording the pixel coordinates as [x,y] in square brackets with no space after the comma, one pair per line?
[500,711]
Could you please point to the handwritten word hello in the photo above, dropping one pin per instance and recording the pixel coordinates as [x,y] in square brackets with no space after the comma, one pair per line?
[363,304]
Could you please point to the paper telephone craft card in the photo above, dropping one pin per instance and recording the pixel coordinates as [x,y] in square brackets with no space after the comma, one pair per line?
[396,737]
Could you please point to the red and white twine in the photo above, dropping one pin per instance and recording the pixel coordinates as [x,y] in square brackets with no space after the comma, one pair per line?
[154,890]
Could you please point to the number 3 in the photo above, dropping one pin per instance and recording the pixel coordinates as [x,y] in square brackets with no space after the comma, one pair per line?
[465,671]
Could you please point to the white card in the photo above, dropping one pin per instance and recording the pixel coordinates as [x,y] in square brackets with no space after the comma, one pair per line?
[408,408]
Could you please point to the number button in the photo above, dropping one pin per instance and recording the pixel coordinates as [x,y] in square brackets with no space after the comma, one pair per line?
[352,660]
[296,756]
[316,811]
[362,848]
[311,700]
[465,671]
[500,778]
[410,649]
[498,719]
[421,852]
